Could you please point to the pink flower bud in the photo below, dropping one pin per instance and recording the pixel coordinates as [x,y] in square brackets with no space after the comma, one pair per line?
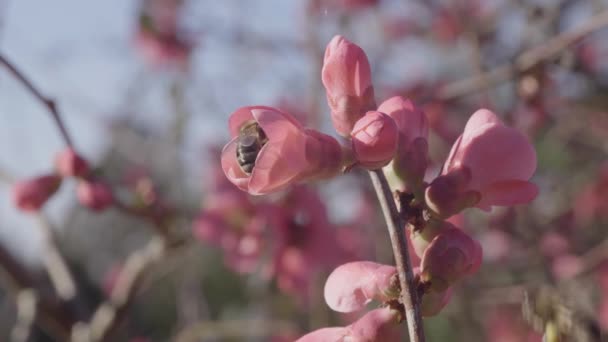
[353,285]
[433,302]
[346,75]
[270,150]
[500,161]
[421,239]
[69,164]
[94,195]
[374,140]
[448,195]
[31,194]
[449,257]
[411,160]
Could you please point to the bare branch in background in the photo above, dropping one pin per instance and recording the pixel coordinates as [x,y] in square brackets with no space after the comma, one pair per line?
[526,61]
[48,103]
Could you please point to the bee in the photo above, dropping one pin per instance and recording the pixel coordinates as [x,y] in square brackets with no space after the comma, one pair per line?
[251,140]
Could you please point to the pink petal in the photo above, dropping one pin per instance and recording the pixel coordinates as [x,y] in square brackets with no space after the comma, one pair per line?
[239,117]
[411,121]
[482,117]
[375,326]
[279,164]
[507,193]
[336,334]
[244,114]
[498,153]
[231,167]
[351,286]
[276,124]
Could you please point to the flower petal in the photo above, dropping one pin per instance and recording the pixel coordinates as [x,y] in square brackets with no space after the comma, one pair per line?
[351,286]
[231,167]
[507,193]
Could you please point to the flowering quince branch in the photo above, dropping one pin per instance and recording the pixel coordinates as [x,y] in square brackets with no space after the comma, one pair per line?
[394,220]
[489,165]
[48,103]
[30,195]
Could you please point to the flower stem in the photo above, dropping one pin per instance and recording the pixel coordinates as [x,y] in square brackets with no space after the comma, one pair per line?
[396,230]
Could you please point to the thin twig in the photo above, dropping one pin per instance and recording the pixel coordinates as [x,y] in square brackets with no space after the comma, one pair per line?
[526,61]
[49,314]
[48,103]
[109,314]
[26,314]
[54,262]
[396,229]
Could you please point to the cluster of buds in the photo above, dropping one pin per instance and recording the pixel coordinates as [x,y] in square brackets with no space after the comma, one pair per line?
[490,164]
[31,194]
[158,36]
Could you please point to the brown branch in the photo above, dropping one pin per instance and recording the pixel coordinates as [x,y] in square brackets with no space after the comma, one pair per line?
[49,314]
[108,315]
[48,103]
[526,60]
[396,229]
[54,262]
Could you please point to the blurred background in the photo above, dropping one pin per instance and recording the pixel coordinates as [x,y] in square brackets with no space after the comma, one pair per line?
[145,89]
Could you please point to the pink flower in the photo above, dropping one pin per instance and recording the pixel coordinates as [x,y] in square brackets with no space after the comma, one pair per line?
[32,194]
[411,159]
[374,140]
[490,163]
[286,152]
[375,326]
[351,286]
[70,164]
[238,232]
[346,75]
[94,195]
[450,256]
[306,241]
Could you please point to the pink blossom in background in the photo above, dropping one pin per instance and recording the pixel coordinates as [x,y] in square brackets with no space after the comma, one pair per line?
[159,52]
[95,195]
[291,154]
[238,232]
[306,241]
[353,285]
[489,158]
[553,244]
[70,164]
[505,324]
[31,194]
[158,37]
[374,140]
[346,75]
[566,266]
